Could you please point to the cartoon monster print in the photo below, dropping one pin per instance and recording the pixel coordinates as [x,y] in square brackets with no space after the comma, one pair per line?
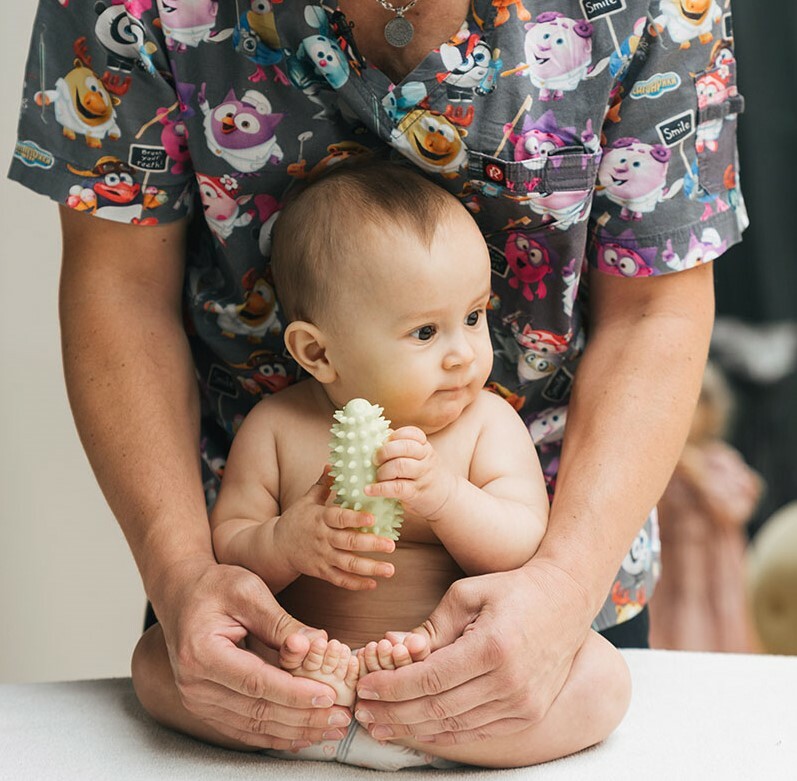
[713,87]
[110,190]
[515,401]
[431,142]
[634,175]
[686,20]
[135,8]
[267,373]
[318,65]
[124,38]
[628,592]
[402,99]
[623,257]
[255,317]
[696,192]
[174,139]
[530,263]
[708,247]
[571,273]
[84,102]
[548,425]
[336,153]
[532,147]
[268,209]
[189,22]
[620,60]
[502,12]
[541,352]
[470,71]
[242,132]
[256,37]
[222,208]
[559,54]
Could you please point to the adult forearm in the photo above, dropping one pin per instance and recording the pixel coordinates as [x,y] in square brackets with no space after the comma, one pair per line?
[133,394]
[628,418]
[134,399]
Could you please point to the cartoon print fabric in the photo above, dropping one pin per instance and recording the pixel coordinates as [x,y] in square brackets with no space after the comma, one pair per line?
[585,136]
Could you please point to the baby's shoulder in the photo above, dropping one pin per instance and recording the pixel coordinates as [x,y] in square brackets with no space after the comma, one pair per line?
[282,411]
[488,405]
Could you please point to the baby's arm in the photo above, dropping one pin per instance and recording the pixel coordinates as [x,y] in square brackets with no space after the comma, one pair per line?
[311,537]
[494,519]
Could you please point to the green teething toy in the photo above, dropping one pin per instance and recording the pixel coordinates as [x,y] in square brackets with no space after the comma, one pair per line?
[359,432]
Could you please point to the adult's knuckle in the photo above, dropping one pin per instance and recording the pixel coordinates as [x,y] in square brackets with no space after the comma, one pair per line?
[251,685]
[452,724]
[435,710]
[261,710]
[431,682]
[494,653]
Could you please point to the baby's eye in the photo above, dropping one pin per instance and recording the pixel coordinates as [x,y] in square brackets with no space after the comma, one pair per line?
[473,317]
[424,333]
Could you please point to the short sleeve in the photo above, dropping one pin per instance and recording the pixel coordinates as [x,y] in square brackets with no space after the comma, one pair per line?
[100,126]
[667,196]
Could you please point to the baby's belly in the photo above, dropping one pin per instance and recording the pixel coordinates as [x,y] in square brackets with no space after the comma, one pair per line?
[423,573]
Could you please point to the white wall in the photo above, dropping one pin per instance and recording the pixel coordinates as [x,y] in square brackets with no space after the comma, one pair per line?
[72,603]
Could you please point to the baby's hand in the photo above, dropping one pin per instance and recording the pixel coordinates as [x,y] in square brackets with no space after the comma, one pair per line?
[408,469]
[321,540]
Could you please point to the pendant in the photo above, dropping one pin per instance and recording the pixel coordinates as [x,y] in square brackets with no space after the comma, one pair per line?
[399,32]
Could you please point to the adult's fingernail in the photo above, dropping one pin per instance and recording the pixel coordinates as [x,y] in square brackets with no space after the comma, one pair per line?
[339,719]
[333,734]
[364,716]
[367,694]
[381,732]
[424,738]
[323,702]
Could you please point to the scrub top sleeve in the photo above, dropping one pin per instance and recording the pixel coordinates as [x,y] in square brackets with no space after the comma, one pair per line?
[101,127]
[667,196]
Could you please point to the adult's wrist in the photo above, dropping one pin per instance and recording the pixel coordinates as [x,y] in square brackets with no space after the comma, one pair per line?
[567,583]
[166,587]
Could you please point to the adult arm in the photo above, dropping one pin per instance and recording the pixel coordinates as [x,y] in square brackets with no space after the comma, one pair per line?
[133,393]
[630,411]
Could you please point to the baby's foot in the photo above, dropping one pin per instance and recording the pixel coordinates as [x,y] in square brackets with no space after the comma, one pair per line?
[397,649]
[327,661]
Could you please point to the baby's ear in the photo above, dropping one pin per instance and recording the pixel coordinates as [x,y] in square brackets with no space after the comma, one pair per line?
[307,344]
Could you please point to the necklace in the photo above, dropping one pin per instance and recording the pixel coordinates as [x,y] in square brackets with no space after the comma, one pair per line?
[398,31]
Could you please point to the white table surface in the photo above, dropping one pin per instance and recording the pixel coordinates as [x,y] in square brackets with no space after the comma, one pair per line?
[693,716]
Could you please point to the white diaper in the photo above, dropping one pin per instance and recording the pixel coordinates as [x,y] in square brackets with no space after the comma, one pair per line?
[360,749]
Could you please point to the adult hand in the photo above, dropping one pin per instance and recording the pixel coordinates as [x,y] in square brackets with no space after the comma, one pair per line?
[207,612]
[502,647]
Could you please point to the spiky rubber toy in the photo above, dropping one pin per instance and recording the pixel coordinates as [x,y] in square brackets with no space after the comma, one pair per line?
[359,432]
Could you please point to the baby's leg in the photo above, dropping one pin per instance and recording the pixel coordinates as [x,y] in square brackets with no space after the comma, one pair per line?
[591,704]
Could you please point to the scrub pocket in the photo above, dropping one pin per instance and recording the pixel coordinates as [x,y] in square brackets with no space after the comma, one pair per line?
[719,104]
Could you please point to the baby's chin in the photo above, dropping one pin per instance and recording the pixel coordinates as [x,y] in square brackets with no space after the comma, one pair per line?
[436,415]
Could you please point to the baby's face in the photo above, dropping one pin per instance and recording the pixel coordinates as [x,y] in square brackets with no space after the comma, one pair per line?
[411,333]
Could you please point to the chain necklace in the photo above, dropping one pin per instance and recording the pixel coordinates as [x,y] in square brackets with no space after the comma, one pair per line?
[398,31]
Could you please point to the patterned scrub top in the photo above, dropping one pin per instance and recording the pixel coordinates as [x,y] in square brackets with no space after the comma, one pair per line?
[585,136]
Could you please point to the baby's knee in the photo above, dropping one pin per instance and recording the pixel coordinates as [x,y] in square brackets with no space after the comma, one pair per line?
[609,684]
[149,667]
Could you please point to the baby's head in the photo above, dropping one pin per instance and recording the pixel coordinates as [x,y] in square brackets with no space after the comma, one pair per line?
[385,279]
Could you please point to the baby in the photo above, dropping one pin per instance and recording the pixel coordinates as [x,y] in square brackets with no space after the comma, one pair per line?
[392,308]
